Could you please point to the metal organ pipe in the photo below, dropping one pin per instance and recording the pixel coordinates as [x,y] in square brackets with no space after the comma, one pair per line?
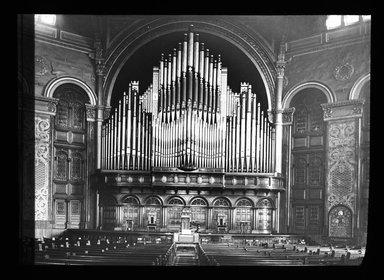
[193,120]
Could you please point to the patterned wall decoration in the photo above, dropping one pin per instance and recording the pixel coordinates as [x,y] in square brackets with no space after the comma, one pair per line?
[42,143]
[341,166]
[340,222]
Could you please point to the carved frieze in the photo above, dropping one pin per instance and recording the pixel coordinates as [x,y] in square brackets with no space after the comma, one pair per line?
[343,109]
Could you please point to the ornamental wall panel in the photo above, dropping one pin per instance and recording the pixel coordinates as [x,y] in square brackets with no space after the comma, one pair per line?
[42,166]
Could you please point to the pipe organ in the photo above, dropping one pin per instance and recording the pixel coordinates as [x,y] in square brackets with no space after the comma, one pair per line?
[189,118]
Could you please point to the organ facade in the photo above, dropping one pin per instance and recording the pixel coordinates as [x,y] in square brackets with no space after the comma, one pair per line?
[189,141]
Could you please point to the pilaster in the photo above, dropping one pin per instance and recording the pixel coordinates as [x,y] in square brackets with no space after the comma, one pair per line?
[342,184]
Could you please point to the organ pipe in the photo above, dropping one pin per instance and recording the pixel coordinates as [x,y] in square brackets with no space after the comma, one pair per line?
[179,120]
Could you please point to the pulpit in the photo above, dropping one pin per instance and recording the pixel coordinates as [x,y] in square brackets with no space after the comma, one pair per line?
[185,235]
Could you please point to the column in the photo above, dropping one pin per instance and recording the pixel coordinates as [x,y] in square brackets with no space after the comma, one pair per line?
[280,65]
[99,61]
[342,168]
[285,198]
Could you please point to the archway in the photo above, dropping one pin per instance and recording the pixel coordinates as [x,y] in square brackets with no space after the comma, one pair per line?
[286,103]
[249,46]
[54,84]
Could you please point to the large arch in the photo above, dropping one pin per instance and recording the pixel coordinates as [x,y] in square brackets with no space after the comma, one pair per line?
[286,103]
[358,85]
[251,45]
[55,83]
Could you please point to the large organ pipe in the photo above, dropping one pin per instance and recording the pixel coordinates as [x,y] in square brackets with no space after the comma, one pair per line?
[139,136]
[210,89]
[214,81]
[123,131]
[196,72]
[184,72]
[161,83]
[242,131]
[178,82]
[103,147]
[174,63]
[115,139]
[165,91]
[134,129]
[110,143]
[206,92]
[253,136]
[118,135]
[218,83]
[248,131]
[201,76]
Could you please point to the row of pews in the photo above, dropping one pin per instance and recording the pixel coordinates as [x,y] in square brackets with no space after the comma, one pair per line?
[280,255]
[83,251]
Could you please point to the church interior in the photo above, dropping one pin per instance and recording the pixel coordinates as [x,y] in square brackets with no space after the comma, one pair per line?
[185,140]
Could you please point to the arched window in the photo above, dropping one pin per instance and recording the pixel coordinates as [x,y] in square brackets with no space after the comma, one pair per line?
[175,201]
[198,202]
[221,202]
[61,165]
[244,203]
[153,201]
